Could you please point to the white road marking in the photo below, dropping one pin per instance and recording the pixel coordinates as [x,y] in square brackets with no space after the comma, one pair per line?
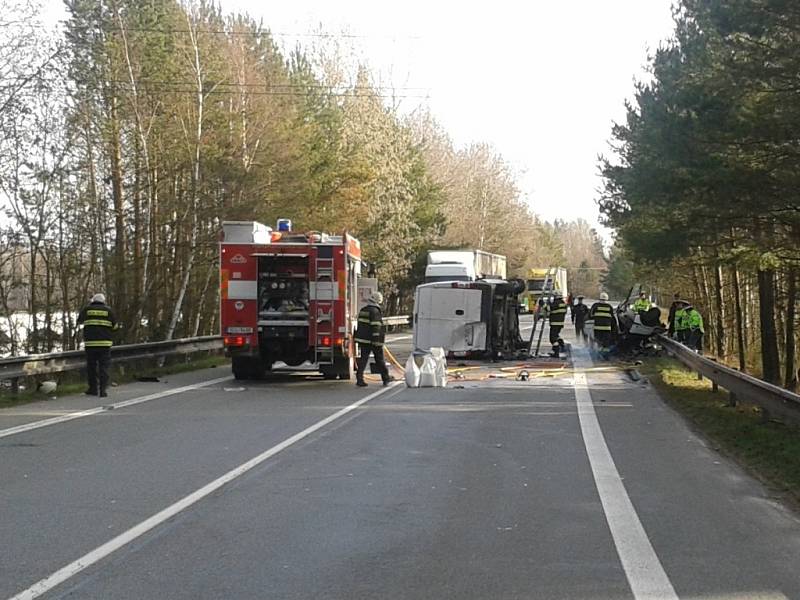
[644,571]
[63,574]
[94,411]
[397,339]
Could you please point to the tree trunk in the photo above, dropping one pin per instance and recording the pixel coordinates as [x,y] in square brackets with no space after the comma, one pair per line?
[790,380]
[719,316]
[739,316]
[770,360]
[120,243]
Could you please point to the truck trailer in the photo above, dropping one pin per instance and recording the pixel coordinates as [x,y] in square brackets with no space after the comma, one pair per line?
[288,298]
[464,265]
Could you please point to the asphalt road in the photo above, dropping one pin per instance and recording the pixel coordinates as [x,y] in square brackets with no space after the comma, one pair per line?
[577,484]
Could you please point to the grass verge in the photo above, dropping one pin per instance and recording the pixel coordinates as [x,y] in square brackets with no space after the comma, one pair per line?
[73,382]
[768,450]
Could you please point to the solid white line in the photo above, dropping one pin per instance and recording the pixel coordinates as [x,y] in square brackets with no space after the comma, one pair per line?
[644,571]
[87,560]
[397,339]
[99,409]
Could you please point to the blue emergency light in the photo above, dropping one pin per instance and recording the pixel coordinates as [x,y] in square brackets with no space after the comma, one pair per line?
[284,225]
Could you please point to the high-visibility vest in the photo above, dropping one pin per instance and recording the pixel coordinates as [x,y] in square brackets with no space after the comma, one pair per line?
[681,320]
[695,321]
[641,304]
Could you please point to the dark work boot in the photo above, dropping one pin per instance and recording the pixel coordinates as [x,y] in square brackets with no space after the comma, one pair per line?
[361,383]
[103,394]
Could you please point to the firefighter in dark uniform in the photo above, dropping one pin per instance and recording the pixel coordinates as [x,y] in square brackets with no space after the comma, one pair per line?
[99,324]
[369,336]
[604,323]
[579,313]
[558,312]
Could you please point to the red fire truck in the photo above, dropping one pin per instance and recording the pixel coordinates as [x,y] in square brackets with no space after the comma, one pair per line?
[288,297]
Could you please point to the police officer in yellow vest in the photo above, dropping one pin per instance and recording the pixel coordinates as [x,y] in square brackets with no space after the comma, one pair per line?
[682,329]
[642,303]
[558,312]
[369,336]
[99,323]
[694,320]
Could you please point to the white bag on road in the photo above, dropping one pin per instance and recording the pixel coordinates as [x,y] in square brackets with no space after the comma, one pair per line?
[427,374]
[412,373]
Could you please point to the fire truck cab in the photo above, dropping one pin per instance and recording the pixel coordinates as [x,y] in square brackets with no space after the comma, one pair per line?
[288,298]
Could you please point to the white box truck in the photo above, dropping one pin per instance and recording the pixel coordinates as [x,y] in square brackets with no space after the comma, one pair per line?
[464,265]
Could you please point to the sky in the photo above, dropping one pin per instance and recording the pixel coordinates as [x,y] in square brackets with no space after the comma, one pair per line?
[542,81]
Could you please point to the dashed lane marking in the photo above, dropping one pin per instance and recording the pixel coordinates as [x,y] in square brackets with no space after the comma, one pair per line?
[94,411]
[63,574]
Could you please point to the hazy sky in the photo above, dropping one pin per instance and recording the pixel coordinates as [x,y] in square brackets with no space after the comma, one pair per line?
[540,80]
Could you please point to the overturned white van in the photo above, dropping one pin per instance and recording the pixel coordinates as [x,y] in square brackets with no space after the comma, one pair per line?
[469,319]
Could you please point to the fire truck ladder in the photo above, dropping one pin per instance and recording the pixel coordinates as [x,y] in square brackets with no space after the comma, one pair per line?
[324,288]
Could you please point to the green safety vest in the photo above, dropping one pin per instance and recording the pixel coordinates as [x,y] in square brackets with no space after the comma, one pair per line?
[695,321]
[641,304]
[681,320]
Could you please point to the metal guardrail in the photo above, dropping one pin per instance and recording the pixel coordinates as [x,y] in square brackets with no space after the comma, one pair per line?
[396,320]
[776,402]
[57,362]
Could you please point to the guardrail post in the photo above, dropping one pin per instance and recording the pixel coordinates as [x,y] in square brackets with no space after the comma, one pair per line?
[15,385]
[731,399]
[714,385]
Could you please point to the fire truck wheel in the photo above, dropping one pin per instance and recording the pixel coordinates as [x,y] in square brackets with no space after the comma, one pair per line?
[245,367]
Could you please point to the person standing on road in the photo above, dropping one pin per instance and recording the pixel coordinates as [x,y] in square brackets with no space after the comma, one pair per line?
[642,303]
[370,337]
[579,313]
[558,312]
[99,324]
[604,323]
[696,331]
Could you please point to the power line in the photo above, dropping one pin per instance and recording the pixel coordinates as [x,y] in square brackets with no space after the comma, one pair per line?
[265,31]
[269,86]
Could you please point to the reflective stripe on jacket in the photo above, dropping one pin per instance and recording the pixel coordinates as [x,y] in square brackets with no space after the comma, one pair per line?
[558,312]
[370,326]
[603,315]
[99,324]
[641,304]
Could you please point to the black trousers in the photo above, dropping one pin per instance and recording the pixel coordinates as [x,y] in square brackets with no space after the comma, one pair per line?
[696,340]
[363,359]
[579,332]
[97,362]
[555,333]
[604,339]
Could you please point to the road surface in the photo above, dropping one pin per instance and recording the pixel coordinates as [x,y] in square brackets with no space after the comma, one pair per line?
[577,485]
